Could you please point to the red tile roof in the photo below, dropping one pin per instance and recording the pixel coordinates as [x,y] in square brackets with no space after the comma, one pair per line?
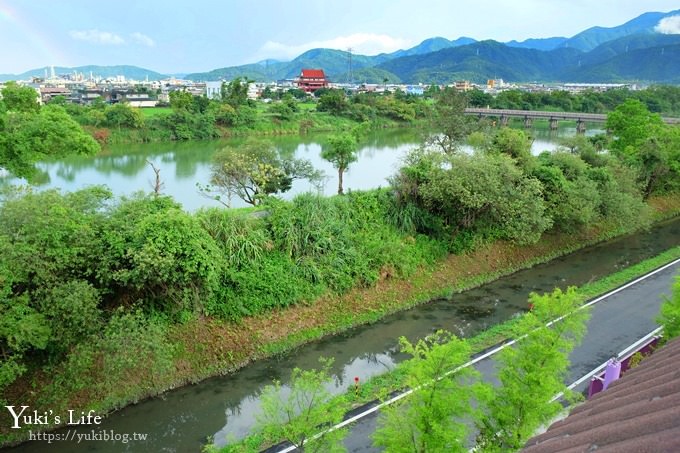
[313,73]
[638,413]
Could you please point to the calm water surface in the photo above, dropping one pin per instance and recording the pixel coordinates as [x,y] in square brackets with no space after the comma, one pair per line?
[124,168]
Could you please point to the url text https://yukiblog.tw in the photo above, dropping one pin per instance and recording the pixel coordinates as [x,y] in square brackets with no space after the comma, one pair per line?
[100,435]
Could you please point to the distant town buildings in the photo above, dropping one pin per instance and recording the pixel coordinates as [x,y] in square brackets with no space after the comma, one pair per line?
[84,89]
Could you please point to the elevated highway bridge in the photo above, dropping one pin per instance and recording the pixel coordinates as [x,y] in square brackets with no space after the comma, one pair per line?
[529,116]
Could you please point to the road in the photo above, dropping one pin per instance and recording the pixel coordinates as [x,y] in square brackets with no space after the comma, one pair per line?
[616,322]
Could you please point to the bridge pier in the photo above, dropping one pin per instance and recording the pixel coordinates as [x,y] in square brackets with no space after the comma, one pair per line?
[527,122]
[554,124]
[580,127]
[504,120]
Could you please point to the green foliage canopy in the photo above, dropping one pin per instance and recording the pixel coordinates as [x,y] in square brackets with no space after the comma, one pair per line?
[533,371]
[433,417]
[27,137]
[20,99]
[255,170]
[298,415]
[669,318]
[341,151]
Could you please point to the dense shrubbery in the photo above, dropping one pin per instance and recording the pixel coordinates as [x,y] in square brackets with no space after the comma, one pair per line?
[72,260]
[370,106]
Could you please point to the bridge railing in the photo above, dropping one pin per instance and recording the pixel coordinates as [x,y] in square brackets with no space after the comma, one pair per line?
[538,114]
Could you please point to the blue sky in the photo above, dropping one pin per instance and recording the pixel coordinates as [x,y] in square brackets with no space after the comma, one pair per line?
[199,35]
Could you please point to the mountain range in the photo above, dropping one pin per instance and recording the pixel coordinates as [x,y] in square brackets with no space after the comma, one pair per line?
[130,72]
[597,54]
[633,51]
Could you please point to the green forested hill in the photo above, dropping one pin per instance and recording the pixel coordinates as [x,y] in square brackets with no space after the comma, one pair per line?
[481,61]
[643,57]
[620,46]
[657,64]
[332,61]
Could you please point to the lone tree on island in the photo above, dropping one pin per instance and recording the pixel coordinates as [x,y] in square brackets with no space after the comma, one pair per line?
[341,152]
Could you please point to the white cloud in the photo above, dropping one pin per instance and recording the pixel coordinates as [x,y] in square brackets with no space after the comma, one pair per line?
[669,25]
[143,39]
[361,43]
[97,36]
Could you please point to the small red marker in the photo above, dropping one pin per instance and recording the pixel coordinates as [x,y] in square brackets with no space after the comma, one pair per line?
[356,385]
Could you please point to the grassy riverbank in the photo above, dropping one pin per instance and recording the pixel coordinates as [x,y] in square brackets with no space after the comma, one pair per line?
[264,125]
[200,347]
[200,118]
[282,330]
[377,387]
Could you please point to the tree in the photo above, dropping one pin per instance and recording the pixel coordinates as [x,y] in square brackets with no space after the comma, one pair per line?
[516,144]
[297,93]
[235,93]
[533,372]
[572,199]
[30,137]
[181,100]
[171,263]
[341,152]
[669,318]
[122,115]
[47,245]
[20,99]
[255,170]
[448,122]
[478,98]
[333,102]
[657,161]
[282,111]
[22,328]
[484,194]
[631,124]
[300,413]
[433,417]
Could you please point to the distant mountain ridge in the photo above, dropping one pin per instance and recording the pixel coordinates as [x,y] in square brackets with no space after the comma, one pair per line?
[591,38]
[649,58]
[442,60]
[130,72]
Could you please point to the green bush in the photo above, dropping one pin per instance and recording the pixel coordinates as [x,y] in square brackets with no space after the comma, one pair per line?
[272,282]
[174,264]
[241,239]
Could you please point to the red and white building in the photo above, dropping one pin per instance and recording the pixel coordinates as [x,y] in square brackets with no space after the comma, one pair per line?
[311,80]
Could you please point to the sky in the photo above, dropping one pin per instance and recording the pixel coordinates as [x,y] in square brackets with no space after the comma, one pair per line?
[199,35]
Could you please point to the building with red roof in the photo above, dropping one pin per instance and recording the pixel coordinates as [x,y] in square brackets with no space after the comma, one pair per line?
[311,80]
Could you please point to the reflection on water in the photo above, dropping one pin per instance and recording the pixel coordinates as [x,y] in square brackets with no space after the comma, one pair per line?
[124,168]
[224,408]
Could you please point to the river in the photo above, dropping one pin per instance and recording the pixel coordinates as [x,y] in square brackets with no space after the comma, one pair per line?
[224,408]
[124,168]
